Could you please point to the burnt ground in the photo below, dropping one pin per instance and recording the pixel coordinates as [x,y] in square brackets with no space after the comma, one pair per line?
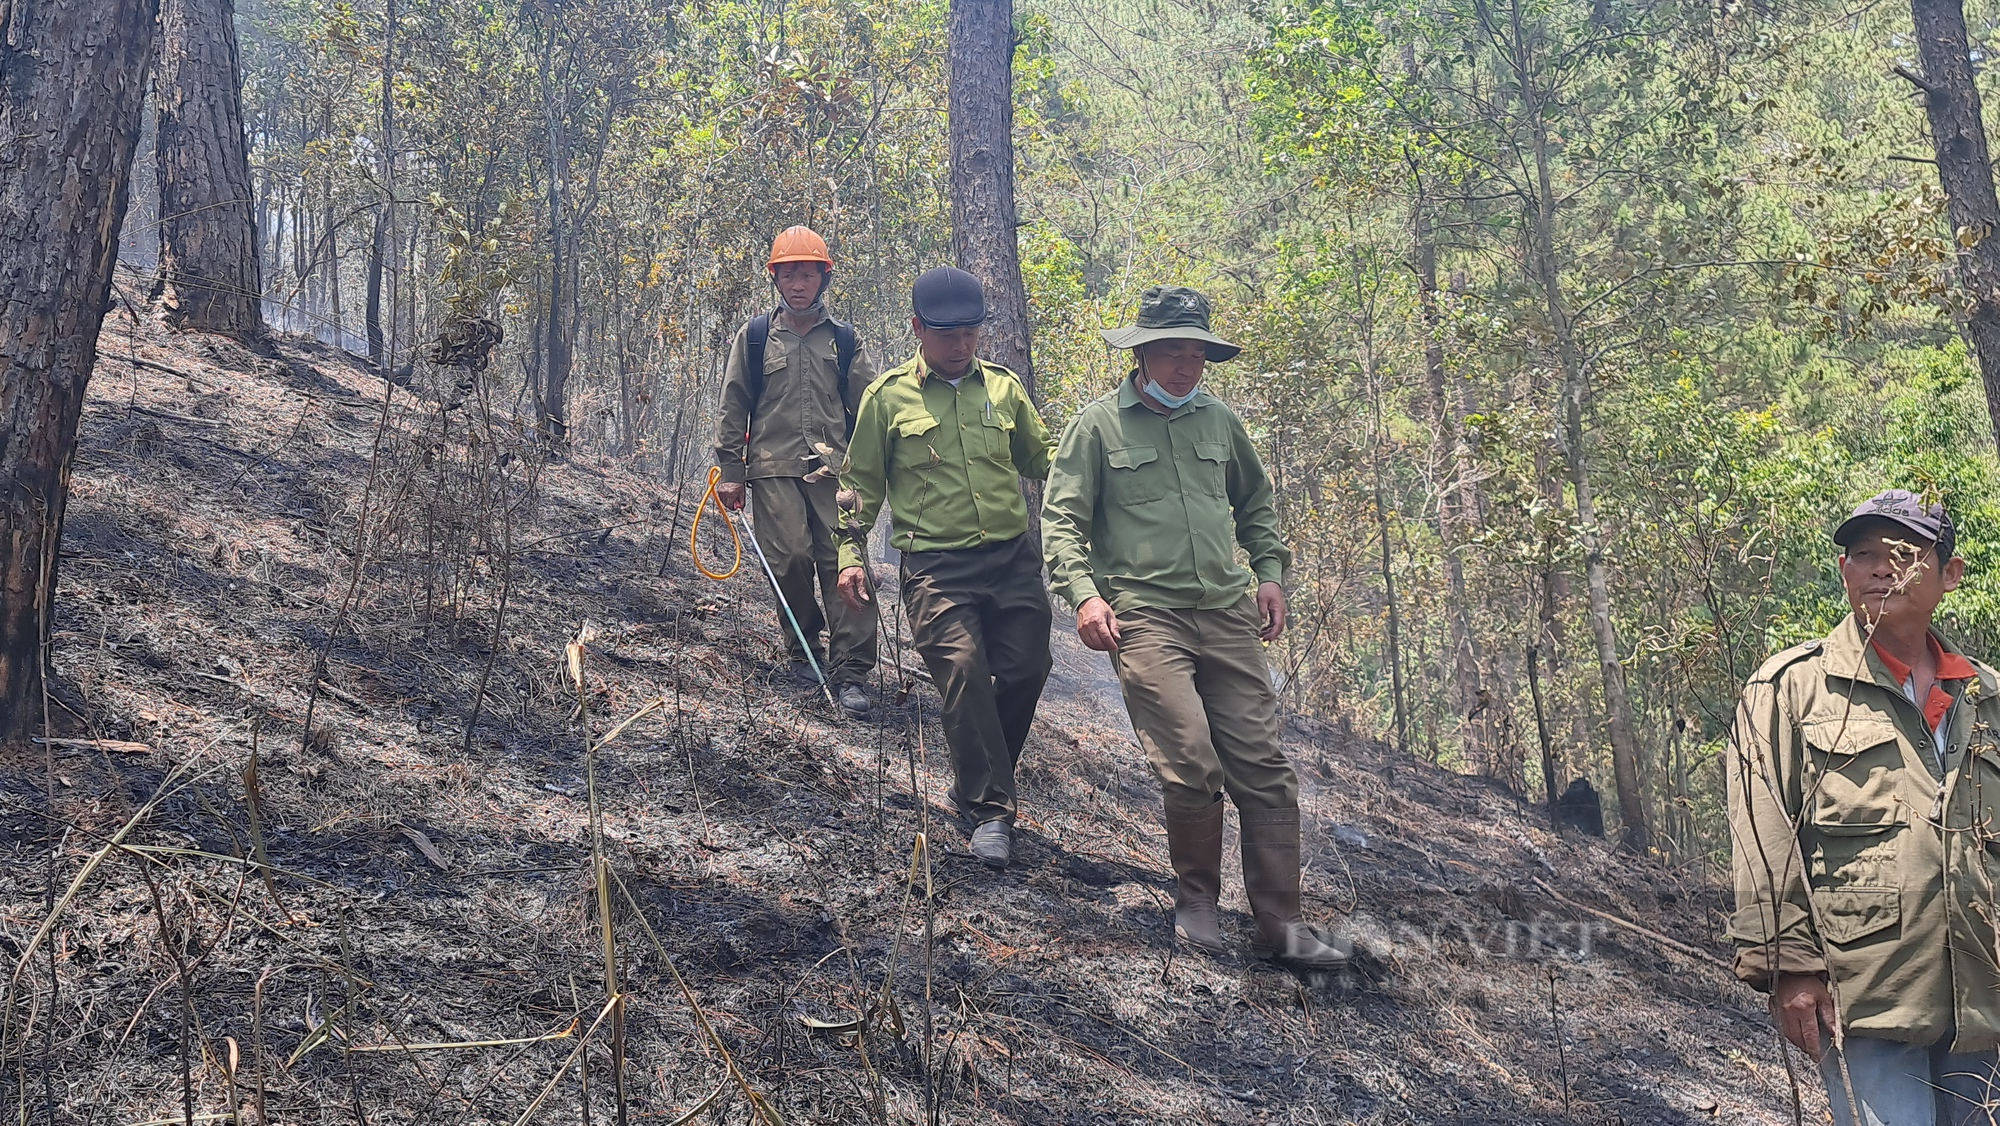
[428,889]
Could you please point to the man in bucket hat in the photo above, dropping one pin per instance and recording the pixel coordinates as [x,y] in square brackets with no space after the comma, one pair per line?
[945,439]
[1154,487]
[1864,809]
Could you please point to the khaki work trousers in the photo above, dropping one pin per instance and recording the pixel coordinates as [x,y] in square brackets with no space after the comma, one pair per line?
[980,619]
[795,523]
[1201,702]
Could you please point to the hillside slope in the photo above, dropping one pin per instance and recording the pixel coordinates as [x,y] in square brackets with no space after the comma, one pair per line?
[437,890]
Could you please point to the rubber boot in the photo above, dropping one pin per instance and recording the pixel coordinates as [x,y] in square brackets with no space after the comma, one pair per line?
[1271,879]
[1194,844]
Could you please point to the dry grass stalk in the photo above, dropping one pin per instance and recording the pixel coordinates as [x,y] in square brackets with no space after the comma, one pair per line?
[12,1038]
[253,804]
[257,1042]
[506,568]
[701,1107]
[187,1001]
[601,865]
[361,523]
[119,746]
[611,1005]
[441,1046]
[759,1104]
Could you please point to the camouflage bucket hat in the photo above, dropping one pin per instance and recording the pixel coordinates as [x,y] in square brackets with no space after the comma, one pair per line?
[1172,312]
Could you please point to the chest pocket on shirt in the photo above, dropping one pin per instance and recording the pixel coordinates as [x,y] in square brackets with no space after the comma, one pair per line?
[910,429]
[1211,468]
[776,358]
[1129,481]
[1859,811]
[998,430]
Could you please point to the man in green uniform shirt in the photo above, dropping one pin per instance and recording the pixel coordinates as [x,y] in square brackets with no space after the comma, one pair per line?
[945,439]
[1154,487]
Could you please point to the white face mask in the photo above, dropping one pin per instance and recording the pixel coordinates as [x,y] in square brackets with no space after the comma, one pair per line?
[1171,402]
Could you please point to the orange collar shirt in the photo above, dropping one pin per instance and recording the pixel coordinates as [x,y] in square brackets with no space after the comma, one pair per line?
[1937,706]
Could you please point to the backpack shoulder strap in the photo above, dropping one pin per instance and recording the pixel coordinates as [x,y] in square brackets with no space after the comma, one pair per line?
[845,344]
[753,361]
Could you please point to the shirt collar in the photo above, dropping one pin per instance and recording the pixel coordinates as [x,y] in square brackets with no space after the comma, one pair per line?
[1130,396]
[779,311]
[977,370]
[1950,666]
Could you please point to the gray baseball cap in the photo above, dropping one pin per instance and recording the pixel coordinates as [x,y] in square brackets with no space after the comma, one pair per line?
[1907,510]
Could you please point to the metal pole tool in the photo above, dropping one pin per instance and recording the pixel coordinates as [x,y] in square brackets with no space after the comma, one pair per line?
[750,533]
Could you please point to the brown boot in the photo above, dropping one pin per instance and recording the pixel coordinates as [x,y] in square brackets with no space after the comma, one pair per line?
[1271,879]
[1194,844]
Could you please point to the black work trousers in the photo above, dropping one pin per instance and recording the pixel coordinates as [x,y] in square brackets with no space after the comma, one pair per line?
[980,619]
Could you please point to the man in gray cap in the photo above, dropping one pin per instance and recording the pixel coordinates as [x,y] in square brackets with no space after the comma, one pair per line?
[1155,486]
[1864,809]
[945,439]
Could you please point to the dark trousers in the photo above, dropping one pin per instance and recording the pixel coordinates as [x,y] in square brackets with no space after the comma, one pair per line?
[980,619]
[795,522]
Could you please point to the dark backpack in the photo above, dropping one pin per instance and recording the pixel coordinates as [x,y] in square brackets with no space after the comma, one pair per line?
[844,344]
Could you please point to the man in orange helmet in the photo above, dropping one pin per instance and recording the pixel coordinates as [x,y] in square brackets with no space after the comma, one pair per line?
[794,379]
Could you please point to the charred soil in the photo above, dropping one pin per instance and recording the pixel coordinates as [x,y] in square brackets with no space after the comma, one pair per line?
[281,579]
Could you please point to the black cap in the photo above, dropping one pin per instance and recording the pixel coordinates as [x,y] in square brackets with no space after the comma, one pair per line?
[1904,509]
[948,298]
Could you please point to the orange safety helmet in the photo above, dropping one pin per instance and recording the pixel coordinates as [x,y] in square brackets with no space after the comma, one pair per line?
[799,244]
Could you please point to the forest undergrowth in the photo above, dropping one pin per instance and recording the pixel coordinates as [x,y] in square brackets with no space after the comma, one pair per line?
[336,756]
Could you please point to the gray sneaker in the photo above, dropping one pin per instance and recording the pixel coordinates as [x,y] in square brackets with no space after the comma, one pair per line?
[853,700]
[993,843]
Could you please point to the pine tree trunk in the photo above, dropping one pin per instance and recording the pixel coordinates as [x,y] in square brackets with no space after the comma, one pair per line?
[1464,647]
[381,350]
[69,123]
[371,313]
[552,396]
[1965,171]
[1398,694]
[983,219]
[209,277]
[1575,404]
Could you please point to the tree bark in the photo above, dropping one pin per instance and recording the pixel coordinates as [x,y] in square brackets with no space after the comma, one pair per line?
[381,351]
[69,124]
[371,300]
[552,396]
[983,220]
[1395,622]
[1451,515]
[1551,774]
[1965,172]
[1541,219]
[209,275]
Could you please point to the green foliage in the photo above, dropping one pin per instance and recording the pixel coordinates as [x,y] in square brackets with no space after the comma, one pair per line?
[1751,299]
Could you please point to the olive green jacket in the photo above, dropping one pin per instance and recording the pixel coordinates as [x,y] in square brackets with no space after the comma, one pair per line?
[1145,509]
[949,460]
[778,435]
[1855,855]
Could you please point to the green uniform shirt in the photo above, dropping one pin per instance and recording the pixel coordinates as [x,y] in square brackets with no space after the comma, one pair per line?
[947,459]
[1147,510]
